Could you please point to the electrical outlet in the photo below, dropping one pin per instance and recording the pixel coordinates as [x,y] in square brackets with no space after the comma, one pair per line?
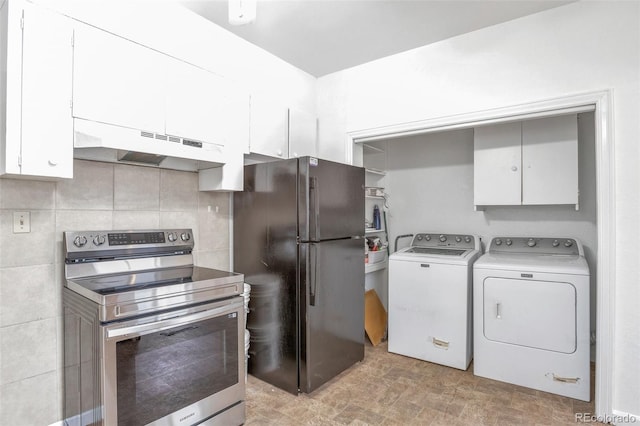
[21,222]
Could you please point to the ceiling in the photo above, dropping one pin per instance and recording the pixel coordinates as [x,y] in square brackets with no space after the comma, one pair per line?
[325,36]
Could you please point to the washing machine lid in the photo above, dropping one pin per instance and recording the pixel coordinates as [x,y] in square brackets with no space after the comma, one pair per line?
[436,255]
[557,264]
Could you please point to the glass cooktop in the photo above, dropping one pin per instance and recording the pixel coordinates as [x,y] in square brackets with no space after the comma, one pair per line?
[110,284]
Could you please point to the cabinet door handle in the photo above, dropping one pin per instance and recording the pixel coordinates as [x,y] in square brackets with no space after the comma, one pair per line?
[514,168]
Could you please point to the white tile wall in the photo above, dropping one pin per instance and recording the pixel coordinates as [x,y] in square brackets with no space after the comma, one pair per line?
[100,196]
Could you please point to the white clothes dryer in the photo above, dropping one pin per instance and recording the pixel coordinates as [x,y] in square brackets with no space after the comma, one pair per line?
[531,315]
[430,290]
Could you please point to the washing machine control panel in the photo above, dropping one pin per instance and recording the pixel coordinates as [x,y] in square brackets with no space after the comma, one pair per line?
[458,241]
[552,246]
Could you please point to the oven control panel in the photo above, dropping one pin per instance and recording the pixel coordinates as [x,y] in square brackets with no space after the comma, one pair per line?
[78,242]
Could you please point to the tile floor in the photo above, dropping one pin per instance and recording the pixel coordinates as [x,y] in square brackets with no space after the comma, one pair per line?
[389,389]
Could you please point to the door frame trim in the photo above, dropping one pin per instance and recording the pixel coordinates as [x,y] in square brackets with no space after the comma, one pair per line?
[601,102]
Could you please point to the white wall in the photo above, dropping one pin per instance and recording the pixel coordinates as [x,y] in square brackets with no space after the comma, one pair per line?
[581,47]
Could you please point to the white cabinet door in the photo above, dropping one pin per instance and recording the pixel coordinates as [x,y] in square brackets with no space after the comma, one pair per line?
[237,118]
[269,127]
[550,160]
[116,81]
[302,134]
[195,103]
[47,124]
[496,164]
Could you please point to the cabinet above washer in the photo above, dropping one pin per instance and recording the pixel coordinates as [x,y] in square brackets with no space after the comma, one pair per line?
[532,162]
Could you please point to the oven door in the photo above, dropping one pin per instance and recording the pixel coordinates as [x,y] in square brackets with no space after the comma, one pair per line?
[176,368]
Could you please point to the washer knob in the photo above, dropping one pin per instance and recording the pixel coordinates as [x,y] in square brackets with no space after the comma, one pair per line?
[419,237]
[427,237]
[79,241]
[185,236]
[99,240]
[458,239]
[568,243]
[555,243]
[509,242]
[498,241]
[172,236]
[531,242]
[467,239]
[443,238]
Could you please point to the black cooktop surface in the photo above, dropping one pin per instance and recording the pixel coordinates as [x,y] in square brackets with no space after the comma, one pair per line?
[119,283]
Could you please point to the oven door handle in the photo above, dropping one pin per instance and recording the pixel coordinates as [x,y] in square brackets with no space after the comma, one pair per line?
[171,322]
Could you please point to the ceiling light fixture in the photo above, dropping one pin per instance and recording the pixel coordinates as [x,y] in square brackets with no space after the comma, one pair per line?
[242,12]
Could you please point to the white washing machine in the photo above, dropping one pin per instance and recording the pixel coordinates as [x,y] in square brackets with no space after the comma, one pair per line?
[430,290]
[531,315]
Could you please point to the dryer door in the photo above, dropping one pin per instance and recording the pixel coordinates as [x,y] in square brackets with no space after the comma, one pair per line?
[537,314]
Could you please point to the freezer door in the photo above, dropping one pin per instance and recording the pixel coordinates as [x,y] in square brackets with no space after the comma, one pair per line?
[331,309]
[330,200]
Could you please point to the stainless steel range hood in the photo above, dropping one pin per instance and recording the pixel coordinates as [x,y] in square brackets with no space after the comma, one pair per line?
[109,143]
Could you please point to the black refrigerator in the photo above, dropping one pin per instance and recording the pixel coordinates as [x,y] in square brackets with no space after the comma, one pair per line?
[299,240]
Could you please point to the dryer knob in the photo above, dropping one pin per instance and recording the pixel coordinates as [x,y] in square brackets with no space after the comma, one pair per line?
[458,239]
[531,242]
[498,242]
[555,243]
[443,238]
[568,243]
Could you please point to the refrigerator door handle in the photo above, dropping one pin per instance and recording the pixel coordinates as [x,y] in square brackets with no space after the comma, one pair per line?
[314,197]
[313,274]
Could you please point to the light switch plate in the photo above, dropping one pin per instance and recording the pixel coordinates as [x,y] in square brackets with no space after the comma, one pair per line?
[21,222]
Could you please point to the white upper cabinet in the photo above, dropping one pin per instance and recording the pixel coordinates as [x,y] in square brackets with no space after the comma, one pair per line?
[118,82]
[497,158]
[37,129]
[269,127]
[302,134]
[550,160]
[527,163]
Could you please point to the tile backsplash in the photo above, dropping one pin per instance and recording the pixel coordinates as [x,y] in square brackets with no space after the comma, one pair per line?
[100,196]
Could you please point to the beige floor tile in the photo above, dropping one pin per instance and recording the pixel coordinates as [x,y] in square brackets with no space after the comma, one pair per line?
[390,389]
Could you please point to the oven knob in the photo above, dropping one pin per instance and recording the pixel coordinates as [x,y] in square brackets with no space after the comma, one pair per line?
[443,238]
[458,239]
[498,242]
[99,240]
[509,242]
[427,237]
[531,242]
[185,236]
[467,239]
[79,241]
[555,243]
[172,236]
[568,243]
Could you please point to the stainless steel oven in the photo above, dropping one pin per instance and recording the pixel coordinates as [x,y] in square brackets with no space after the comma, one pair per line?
[149,337]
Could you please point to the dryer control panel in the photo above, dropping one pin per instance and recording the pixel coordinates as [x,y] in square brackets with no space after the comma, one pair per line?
[536,245]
